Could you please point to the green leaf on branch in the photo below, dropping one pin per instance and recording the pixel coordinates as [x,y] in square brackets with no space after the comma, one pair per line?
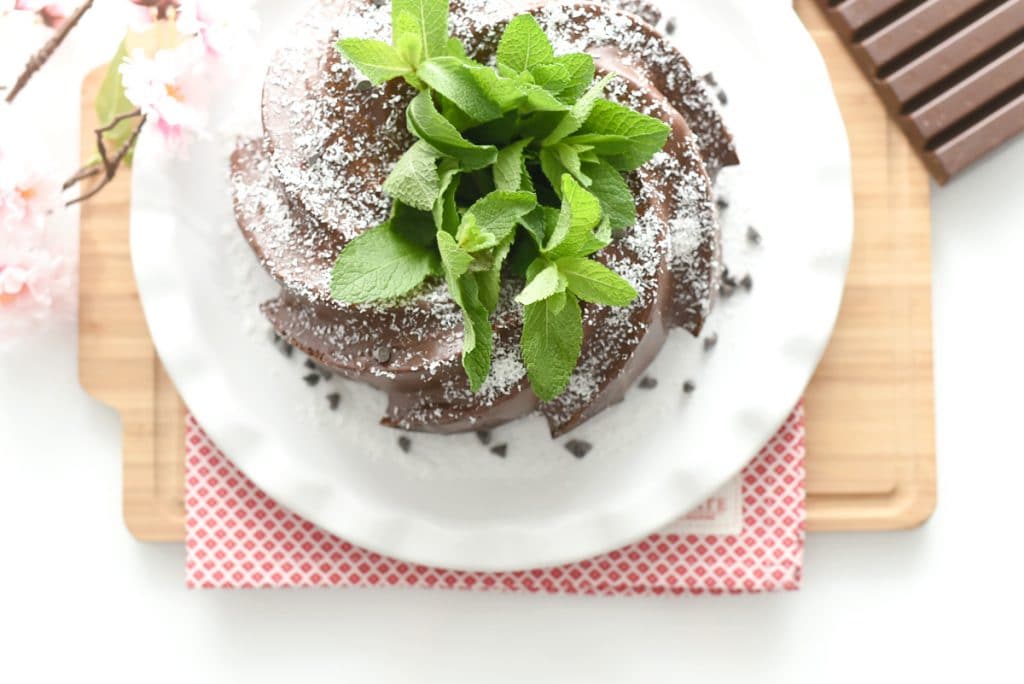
[112,102]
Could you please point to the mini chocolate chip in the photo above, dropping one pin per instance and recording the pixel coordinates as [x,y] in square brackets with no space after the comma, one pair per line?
[726,290]
[405,444]
[647,382]
[670,27]
[722,98]
[578,448]
[484,436]
[709,78]
[753,237]
[722,203]
[363,86]
[710,341]
[334,399]
[309,364]
[287,350]
[747,283]
[312,379]
[728,278]
[274,337]
[689,387]
[382,354]
[500,450]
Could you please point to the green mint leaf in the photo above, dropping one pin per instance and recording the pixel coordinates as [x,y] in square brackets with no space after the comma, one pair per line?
[500,211]
[552,77]
[451,78]
[445,210]
[617,202]
[414,180]
[580,112]
[477,338]
[601,238]
[414,225]
[464,289]
[377,60]
[472,238]
[569,156]
[604,145]
[596,283]
[553,168]
[580,214]
[544,284]
[428,124]
[551,343]
[506,92]
[540,100]
[524,44]
[379,265]
[506,71]
[459,119]
[426,20]
[579,67]
[457,50]
[455,261]
[510,167]
[536,226]
[407,39]
[489,281]
[646,134]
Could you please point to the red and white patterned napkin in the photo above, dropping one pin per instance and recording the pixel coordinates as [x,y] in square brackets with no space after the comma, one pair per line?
[237,537]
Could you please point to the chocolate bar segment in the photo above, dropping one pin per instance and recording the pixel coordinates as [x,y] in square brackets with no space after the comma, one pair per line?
[951,72]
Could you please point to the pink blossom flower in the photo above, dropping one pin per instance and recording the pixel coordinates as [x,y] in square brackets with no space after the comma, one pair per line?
[167,88]
[143,13]
[222,25]
[52,12]
[35,288]
[27,194]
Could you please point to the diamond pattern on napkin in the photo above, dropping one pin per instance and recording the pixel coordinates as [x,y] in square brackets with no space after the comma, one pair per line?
[237,537]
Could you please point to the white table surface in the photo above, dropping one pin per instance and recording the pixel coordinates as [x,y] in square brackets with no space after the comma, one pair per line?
[78,596]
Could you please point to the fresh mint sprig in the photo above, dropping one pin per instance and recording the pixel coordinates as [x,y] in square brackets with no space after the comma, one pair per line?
[517,169]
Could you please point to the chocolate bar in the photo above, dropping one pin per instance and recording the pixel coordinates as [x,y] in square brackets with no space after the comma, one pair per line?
[950,72]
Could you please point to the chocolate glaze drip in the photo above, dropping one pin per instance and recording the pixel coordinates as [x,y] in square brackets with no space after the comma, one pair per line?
[313,181]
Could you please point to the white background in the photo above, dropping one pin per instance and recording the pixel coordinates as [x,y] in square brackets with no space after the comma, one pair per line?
[79,597]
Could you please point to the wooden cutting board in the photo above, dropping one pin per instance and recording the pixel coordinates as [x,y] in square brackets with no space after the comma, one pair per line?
[870,407]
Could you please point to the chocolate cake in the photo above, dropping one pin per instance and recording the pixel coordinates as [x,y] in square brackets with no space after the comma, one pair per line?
[312,183]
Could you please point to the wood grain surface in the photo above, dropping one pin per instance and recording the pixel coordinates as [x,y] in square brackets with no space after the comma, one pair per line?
[870,407]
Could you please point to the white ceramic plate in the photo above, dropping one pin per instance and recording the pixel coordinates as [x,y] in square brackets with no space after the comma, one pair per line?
[449,502]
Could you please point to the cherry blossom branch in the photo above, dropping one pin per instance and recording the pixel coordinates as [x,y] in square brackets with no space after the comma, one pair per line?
[40,58]
[108,165]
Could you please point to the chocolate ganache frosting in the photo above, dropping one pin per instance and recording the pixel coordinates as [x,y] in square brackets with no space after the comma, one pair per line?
[312,182]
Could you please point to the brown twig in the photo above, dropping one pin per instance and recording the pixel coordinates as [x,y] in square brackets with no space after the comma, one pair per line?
[40,58]
[108,165]
[81,175]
